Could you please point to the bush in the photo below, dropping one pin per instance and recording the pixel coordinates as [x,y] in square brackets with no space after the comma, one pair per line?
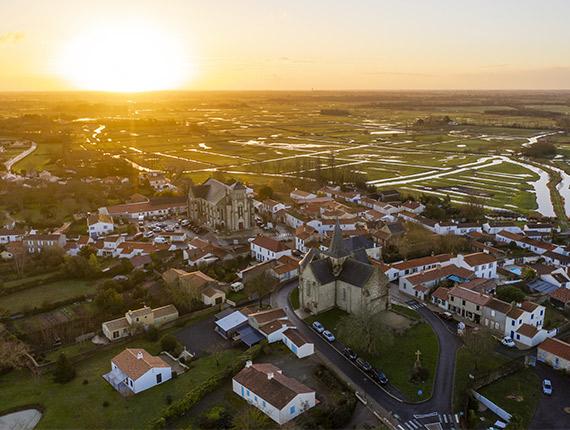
[170,344]
[169,398]
[151,334]
[85,382]
[64,370]
[105,404]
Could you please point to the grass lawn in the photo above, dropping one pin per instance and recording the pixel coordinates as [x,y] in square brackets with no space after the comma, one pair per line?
[17,282]
[294,297]
[518,394]
[237,296]
[45,294]
[465,364]
[397,359]
[406,311]
[67,405]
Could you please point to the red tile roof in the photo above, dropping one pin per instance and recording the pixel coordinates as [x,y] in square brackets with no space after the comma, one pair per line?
[557,347]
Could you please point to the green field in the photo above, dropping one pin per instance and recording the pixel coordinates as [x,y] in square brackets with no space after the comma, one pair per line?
[34,297]
[269,138]
[90,400]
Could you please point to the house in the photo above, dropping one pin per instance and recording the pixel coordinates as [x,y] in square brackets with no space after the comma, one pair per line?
[279,397]
[419,284]
[265,248]
[99,225]
[481,285]
[229,325]
[271,207]
[305,237]
[440,298]
[561,298]
[285,268]
[323,226]
[294,219]
[524,324]
[540,227]
[221,206]
[393,229]
[482,264]
[469,304]
[135,370]
[147,209]
[137,320]
[389,196]
[212,296]
[10,235]
[35,243]
[300,196]
[297,343]
[494,227]
[416,265]
[555,353]
[413,207]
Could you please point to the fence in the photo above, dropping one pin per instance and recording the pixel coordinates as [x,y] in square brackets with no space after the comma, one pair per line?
[497,410]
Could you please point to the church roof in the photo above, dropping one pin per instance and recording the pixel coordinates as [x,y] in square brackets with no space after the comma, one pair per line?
[337,248]
[213,190]
[353,272]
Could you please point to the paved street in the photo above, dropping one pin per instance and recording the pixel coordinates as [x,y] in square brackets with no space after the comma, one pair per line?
[412,416]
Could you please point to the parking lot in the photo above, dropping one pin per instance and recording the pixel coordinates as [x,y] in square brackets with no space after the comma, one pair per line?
[201,339]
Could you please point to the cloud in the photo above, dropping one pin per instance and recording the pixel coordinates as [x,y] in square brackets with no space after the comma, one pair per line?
[11,37]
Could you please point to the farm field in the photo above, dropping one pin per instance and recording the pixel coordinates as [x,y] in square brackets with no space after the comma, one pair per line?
[46,294]
[384,139]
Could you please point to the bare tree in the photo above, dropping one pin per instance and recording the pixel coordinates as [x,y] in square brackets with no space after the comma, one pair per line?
[366,331]
[14,354]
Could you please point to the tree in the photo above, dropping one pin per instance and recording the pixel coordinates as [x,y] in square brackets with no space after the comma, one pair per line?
[510,294]
[265,192]
[262,285]
[170,344]
[13,354]
[94,265]
[365,330]
[109,301]
[250,418]
[479,343]
[64,370]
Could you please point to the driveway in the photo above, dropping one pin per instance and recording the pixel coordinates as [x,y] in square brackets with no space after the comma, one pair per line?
[200,338]
[411,415]
[550,412]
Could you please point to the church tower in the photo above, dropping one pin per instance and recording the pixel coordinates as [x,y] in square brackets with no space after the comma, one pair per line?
[337,252]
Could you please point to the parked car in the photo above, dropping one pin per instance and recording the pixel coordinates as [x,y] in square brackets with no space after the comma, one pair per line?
[379,376]
[363,364]
[148,234]
[236,286]
[184,222]
[508,342]
[318,327]
[329,336]
[350,354]
[547,387]
[448,316]
[159,239]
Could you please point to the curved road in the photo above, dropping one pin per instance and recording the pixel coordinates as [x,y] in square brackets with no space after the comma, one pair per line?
[441,401]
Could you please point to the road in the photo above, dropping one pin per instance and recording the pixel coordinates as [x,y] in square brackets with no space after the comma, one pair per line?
[550,413]
[10,163]
[411,415]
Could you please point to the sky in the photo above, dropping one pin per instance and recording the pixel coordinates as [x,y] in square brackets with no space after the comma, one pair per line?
[293,44]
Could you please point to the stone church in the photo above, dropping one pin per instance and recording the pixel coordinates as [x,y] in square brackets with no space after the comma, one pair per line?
[221,207]
[341,278]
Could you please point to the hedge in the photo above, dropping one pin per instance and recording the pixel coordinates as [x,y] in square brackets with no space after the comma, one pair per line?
[180,408]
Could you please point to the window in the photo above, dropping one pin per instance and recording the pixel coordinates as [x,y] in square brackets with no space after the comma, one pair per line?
[247,393]
[242,392]
[292,410]
[159,378]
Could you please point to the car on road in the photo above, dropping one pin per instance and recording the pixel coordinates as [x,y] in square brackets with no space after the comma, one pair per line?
[363,364]
[508,342]
[318,327]
[329,336]
[350,354]
[448,316]
[547,387]
[379,376]
[184,223]
[148,234]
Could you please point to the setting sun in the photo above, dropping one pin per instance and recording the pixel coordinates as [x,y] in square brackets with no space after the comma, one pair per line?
[125,58]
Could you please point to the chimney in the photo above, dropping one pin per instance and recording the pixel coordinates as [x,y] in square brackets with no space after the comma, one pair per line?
[139,355]
[248,363]
[270,376]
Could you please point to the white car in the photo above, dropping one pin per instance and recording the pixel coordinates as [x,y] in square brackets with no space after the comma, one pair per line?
[148,234]
[236,286]
[159,239]
[547,387]
[508,342]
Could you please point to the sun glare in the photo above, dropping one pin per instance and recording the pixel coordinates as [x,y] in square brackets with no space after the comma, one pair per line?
[125,58]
